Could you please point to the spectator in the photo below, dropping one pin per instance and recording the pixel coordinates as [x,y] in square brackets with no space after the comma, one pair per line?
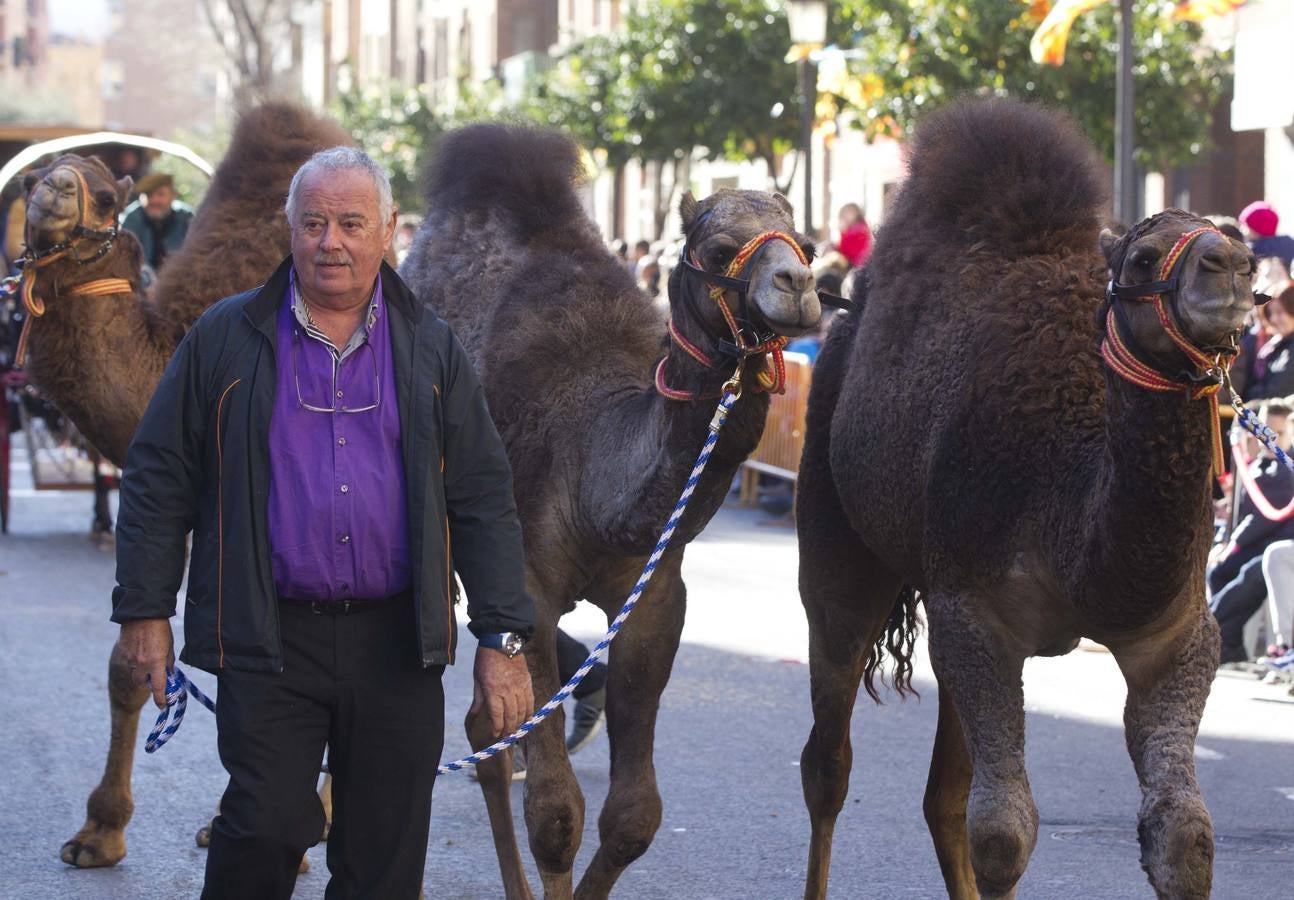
[1273,370]
[157,218]
[1266,515]
[649,275]
[1278,572]
[404,232]
[1259,221]
[855,241]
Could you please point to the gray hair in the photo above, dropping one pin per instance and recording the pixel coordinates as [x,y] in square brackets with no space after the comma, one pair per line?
[337,159]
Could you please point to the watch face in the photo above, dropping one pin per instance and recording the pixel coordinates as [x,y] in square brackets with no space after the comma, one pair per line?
[512,644]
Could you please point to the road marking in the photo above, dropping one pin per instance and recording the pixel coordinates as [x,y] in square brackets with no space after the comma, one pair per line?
[1287,793]
[1202,752]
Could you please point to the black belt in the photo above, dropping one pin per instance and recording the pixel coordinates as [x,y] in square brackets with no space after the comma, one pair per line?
[347,606]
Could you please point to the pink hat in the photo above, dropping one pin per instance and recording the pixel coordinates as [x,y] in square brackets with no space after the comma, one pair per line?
[1260,218]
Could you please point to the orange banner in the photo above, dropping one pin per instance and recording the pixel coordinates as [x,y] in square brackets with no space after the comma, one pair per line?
[1048,44]
[1199,10]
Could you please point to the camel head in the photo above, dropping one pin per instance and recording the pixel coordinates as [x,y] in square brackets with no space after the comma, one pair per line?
[1206,291]
[722,239]
[73,199]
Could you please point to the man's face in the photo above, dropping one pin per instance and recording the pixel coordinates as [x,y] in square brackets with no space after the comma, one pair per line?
[158,202]
[338,237]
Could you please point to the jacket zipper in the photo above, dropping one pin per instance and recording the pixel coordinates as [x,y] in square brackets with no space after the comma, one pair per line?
[220,522]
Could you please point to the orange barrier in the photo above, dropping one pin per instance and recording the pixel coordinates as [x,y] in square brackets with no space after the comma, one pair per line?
[780,447]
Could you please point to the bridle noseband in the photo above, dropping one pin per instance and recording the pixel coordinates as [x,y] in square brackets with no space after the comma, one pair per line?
[746,337]
[1122,354]
[33,260]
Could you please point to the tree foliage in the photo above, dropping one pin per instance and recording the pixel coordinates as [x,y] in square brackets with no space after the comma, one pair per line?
[918,54]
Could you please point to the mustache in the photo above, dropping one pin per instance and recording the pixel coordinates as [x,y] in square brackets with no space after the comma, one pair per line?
[326,260]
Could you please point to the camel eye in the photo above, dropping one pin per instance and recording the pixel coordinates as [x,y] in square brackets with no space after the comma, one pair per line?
[809,249]
[1143,262]
[719,257]
[105,199]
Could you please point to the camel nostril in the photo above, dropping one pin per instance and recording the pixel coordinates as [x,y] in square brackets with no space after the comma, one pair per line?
[1216,261]
[794,281]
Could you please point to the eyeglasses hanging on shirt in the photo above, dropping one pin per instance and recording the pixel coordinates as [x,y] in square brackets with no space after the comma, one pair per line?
[369,396]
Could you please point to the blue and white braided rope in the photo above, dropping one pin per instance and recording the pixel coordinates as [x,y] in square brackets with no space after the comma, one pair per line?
[178,687]
[1249,420]
[599,653]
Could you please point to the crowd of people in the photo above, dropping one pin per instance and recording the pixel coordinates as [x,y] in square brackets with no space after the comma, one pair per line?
[1251,567]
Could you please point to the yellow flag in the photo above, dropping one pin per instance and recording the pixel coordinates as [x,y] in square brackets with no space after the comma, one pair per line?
[1199,10]
[1048,44]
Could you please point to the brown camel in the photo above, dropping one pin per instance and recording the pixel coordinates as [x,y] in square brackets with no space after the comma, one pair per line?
[566,348]
[966,441]
[98,353]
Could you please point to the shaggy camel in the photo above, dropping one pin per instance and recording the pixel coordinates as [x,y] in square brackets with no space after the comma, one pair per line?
[975,435]
[566,348]
[97,353]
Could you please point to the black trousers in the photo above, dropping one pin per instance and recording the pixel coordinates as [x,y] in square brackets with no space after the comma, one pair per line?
[1235,604]
[570,656]
[351,682]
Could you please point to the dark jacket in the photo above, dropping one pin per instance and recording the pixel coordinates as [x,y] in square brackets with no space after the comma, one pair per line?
[1280,246]
[158,239]
[200,462]
[1277,379]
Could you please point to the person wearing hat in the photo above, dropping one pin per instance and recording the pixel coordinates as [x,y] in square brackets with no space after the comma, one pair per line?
[157,218]
[1259,221]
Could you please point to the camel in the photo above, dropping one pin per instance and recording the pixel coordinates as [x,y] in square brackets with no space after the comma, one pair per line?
[576,365]
[976,438]
[97,348]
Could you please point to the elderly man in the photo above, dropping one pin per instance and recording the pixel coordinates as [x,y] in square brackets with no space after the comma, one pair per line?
[327,442]
[157,218]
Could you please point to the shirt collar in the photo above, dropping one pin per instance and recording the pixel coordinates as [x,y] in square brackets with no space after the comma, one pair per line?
[302,314]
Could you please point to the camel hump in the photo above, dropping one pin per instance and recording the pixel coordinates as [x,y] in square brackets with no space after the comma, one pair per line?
[1009,174]
[525,172]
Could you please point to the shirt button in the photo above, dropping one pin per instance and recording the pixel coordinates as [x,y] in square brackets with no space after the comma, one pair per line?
[341,442]
[345,489]
[345,538]
[345,588]
[339,394]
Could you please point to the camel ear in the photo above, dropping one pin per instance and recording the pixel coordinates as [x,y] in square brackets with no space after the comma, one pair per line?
[29,180]
[124,184]
[688,208]
[1108,241]
[785,205]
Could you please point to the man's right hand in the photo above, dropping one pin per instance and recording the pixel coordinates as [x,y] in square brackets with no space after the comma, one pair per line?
[149,651]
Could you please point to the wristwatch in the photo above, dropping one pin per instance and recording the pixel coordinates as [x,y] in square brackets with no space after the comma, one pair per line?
[509,643]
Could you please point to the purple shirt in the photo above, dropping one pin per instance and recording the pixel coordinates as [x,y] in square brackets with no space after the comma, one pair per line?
[337,509]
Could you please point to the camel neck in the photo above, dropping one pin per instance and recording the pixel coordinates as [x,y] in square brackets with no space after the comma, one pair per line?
[1152,507]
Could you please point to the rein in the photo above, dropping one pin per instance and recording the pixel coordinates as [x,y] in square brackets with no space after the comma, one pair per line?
[33,260]
[1121,354]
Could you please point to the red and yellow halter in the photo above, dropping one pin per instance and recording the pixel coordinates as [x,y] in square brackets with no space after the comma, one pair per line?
[32,261]
[773,377]
[1125,364]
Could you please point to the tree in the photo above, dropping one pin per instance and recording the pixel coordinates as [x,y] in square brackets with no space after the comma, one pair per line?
[919,54]
[680,77]
[248,32]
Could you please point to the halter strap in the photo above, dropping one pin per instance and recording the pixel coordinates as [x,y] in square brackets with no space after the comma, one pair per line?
[99,287]
[1119,353]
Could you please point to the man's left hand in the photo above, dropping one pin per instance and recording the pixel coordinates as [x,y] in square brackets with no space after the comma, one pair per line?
[502,689]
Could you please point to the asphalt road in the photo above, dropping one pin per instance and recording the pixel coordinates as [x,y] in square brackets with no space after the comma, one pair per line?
[732,723]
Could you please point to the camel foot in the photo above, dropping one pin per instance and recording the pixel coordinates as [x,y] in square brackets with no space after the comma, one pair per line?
[94,846]
[203,837]
[305,865]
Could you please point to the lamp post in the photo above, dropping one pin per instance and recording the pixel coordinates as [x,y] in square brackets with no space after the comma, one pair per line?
[808,22]
[1125,135]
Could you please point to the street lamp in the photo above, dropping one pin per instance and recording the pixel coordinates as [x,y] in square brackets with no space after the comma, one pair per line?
[808,21]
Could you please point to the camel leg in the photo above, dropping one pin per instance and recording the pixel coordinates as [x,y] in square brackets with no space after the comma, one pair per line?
[1169,676]
[495,777]
[947,789]
[847,600]
[983,679]
[638,670]
[101,523]
[554,805]
[102,839]
[847,596]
